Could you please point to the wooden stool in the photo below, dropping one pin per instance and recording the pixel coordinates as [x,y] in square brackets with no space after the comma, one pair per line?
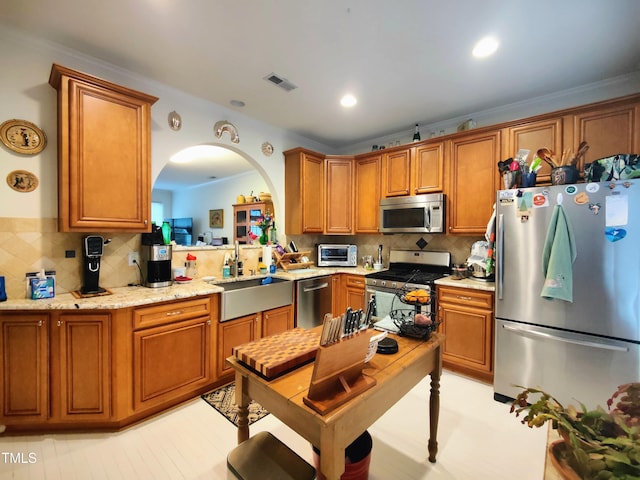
[264,457]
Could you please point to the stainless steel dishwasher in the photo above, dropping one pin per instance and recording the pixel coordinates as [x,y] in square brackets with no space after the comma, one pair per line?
[313,301]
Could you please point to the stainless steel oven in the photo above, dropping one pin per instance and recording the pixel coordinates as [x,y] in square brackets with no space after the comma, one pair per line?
[408,270]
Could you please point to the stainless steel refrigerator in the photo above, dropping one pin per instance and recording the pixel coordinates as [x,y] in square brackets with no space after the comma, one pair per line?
[582,347]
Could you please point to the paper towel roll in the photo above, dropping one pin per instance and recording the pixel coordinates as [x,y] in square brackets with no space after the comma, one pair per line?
[266,255]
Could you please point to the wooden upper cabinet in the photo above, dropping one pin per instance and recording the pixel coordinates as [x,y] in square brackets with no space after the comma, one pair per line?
[104,154]
[367,193]
[608,130]
[304,191]
[427,169]
[413,170]
[472,181]
[533,136]
[340,192]
[396,173]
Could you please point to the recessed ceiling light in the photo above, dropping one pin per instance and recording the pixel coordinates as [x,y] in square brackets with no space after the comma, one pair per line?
[348,100]
[237,103]
[485,47]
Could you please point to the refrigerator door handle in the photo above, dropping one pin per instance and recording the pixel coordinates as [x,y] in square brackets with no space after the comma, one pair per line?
[533,333]
[500,256]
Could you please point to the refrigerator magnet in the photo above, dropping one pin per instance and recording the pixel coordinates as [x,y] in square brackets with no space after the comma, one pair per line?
[616,210]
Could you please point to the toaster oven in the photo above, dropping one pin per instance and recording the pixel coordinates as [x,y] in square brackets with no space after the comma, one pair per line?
[332,255]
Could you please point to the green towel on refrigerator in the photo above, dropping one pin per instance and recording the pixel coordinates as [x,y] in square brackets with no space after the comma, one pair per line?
[558,255]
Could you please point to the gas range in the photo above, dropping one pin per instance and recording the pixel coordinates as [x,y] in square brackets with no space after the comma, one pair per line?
[411,269]
[408,270]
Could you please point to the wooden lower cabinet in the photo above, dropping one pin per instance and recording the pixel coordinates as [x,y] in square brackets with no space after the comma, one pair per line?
[80,367]
[249,328]
[348,291]
[354,289]
[55,368]
[231,334]
[24,368]
[105,369]
[170,359]
[467,322]
[277,320]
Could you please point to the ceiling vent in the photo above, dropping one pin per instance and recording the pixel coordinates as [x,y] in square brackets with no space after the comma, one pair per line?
[280,81]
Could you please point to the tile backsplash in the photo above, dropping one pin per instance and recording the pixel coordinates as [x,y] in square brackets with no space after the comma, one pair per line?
[33,244]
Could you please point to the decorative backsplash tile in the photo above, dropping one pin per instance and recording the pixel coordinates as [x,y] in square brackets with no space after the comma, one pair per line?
[30,245]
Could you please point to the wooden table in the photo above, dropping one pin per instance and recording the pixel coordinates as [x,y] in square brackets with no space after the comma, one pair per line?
[395,375]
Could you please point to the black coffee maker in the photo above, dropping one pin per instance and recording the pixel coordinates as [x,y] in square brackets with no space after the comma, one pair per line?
[156,259]
[92,250]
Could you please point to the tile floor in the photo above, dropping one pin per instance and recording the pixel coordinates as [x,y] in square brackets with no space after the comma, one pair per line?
[478,439]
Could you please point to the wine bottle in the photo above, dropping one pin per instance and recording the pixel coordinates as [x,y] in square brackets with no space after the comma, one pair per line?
[416,134]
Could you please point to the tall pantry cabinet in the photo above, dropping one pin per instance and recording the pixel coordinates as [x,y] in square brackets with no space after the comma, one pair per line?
[104,154]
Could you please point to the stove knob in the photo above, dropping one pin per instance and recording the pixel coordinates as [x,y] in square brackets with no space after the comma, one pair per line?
[394,285]
[383,283]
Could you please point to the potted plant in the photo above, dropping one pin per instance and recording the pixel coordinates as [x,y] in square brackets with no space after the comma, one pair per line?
[598,444]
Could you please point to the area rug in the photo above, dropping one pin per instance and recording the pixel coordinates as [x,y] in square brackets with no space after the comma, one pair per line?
[223,400]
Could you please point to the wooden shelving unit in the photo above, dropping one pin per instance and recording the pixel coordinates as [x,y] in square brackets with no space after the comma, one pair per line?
[245,216]
[291,261]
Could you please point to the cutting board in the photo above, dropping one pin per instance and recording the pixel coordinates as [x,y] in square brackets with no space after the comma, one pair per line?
[273,355]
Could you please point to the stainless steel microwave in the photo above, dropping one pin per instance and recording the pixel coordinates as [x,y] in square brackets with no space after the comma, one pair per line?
[412,214]
[332,255]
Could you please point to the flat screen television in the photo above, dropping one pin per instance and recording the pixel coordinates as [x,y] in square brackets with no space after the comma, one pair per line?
[181,230]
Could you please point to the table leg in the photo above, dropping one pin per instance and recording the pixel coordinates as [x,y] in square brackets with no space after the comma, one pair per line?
[434,412]
[242,401]
[331,456]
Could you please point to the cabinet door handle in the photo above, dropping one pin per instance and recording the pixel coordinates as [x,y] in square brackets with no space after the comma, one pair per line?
[174,313]
[40,323]
[60,322]
[208,322]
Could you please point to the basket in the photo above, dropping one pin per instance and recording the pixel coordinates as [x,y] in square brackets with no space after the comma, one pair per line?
[403,319]
[413,296]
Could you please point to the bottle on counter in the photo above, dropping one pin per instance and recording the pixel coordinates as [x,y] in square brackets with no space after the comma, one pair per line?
[166,233]
[416,134]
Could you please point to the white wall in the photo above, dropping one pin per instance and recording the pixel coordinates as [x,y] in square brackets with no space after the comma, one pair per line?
[196,202]
[25,94]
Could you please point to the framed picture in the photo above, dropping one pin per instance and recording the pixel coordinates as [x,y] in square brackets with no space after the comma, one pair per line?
[216,218]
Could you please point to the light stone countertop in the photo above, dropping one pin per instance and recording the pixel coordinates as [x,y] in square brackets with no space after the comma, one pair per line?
[467,283]
[123,297]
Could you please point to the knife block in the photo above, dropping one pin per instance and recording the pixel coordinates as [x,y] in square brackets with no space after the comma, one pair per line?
[337,373]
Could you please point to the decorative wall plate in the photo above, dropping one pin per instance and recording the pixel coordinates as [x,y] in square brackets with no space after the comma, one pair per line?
[175,122]
[267,149]
[22,137]
[22,181]
[224,126]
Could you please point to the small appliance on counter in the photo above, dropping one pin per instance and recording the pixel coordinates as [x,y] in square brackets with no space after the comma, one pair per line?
[156,265]
[331,255]
[92,250]
[477,262]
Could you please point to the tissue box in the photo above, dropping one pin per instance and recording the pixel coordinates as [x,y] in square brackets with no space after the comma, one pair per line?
[41,287]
